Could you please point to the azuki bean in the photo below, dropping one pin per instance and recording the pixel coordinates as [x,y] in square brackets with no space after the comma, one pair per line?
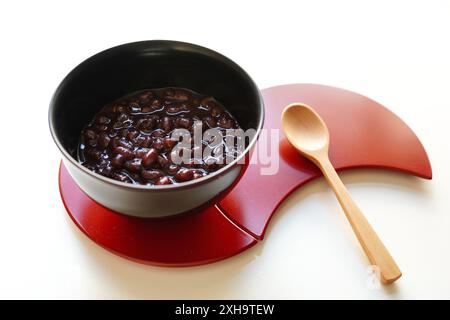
[120,177]
[134,165]
[103,120]
[122,117]
[141,152]
[177,95]
[149,158]
[151,174]
[103,141]
[172,169]
[215,112]
[197,175]
[163,161]
[118,161]
[125,152]
[90,135]
[158,144]
[185,122]
[226,123]
[106,171]
[166,124]
[125,143]
[132,134]
[163,180]
[184,175]
[156,104]
[101,127]
[209,122]
[146,125]
[135,107]
[173,109]
[93,154]
[169,143]
[140,141]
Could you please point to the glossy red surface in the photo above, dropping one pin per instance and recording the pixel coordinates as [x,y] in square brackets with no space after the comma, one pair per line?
[363,134]
[185,240]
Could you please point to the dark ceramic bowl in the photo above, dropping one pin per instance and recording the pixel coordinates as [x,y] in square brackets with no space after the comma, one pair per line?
[121,70]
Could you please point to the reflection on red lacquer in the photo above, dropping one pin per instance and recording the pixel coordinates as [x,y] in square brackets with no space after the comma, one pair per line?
[292,157]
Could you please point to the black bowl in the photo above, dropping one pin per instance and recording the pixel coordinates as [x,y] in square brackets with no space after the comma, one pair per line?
[127,68]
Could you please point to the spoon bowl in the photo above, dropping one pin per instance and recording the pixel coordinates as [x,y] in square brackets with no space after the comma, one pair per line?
[305,129]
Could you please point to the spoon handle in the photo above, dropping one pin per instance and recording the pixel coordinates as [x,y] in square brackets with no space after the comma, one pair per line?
[375,250]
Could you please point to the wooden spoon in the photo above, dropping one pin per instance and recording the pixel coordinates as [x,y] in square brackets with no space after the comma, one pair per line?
[308,133]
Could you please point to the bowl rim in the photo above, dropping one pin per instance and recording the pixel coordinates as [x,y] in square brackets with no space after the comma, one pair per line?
[176,186]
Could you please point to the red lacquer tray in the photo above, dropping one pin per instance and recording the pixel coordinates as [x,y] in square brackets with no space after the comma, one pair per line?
[363,133]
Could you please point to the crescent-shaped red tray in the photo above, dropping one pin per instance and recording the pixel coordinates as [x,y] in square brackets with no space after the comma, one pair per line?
[363,133]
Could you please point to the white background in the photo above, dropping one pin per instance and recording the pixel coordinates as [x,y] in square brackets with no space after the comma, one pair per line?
[396,52]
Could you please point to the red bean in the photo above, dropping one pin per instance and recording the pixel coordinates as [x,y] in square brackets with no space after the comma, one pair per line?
[146,124]
[141,152]
[125,152]
[173,109]
[146,109]
[134,165]
[106,171]
[216,111]
[163,180]
[185,122]
[117,125]
[103,141]
[166,124]
[169,143]
[101,127]
[163,161]
[93,154]
[145,95]
[158,133]
[156,104]
[135,107]
[191,163]
[120,177]
[226,123]
[140,141]
[151,174]
[125,143]
[184,175]
[173,169]
[177,95]
[114,143]
[124,132]
[119,109]
[132,134]
[158,144]
[91,143]
[122,117]
[209,165]
[117,161]
[149,158]
[90,135]
[209,122]
[207,103]
[103,120]
[197,175]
